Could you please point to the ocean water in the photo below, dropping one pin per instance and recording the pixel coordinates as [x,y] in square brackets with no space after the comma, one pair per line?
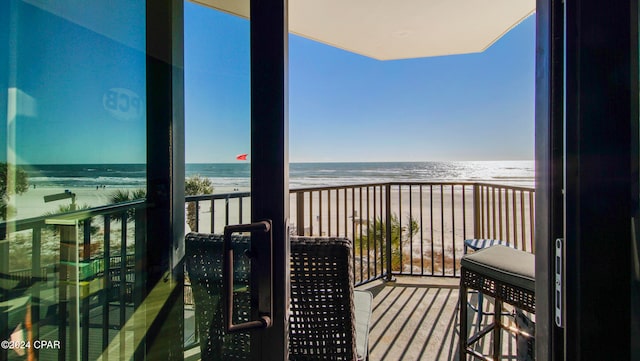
[87,175]
[301,175]
[324,174]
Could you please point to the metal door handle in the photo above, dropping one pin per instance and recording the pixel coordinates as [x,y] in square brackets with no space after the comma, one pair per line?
[261,267]
[635,250]
[559,287]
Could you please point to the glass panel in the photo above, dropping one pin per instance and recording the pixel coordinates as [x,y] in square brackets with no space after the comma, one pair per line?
[72,137]
[635,245]
[217,152]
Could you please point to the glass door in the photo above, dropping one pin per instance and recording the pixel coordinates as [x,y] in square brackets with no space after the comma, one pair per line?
[235,123]
[73,177]
[587,181]
[600,181]
[218,158]
[92,173]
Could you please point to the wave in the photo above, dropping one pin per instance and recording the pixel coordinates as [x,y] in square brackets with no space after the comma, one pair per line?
[88,181]
[300,174]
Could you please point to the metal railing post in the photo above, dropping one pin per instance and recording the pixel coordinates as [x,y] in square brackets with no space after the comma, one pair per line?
[532,223]
[36,279]
[68,291]
[196,212]
[476,210]
[122,297]
[226,210]
[107,284]
[4,283]
[84,305]
[388,231]
[300,213]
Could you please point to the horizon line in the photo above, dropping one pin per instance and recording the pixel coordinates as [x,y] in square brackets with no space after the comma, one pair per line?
[381,161]
[294,162]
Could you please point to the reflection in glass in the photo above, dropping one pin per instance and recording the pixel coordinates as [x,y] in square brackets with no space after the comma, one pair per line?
[72,132]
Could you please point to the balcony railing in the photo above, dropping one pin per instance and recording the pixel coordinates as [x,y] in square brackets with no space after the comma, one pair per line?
[397,229]
[40,260]
[428,222]
[211,212]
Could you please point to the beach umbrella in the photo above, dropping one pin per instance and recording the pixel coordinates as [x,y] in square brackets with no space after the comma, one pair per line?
[391,29]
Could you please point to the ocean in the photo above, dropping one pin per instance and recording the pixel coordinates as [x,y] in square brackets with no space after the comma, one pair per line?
[301,175]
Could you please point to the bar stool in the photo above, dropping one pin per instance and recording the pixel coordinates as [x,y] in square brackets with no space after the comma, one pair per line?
[477,244]
[504,273]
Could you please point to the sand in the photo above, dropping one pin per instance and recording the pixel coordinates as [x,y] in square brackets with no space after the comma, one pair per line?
[443,217]
[331,213]
[31,203]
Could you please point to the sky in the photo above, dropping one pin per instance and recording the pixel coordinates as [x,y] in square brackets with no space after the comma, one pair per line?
[77,93]
[76,83]
[347,107]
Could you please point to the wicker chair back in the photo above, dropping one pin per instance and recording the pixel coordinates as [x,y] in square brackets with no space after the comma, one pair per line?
[321,321]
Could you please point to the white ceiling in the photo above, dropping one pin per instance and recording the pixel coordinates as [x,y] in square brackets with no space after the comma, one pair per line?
[398,29]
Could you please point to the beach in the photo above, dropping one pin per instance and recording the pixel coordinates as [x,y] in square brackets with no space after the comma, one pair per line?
[31,203]
[433,219]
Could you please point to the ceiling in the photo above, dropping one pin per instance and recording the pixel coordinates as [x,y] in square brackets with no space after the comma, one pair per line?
[398,29]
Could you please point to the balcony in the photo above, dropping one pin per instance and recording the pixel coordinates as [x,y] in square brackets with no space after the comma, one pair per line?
[414,317]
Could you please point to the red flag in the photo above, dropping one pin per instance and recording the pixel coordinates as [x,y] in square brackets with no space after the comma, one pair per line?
[241,157]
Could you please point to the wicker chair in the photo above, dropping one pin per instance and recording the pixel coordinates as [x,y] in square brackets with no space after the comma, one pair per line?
[204,266]
[328,320]
[322,311]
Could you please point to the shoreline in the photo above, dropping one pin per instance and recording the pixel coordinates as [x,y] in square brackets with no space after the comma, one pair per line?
[31,203]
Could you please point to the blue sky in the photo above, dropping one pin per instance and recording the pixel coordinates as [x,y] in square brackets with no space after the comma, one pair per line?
[85,103]
[79,95]
[347,107]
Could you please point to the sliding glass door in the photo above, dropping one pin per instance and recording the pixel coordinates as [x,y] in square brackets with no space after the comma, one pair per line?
[92,175]
[236,134]
[587,180]
[73,144]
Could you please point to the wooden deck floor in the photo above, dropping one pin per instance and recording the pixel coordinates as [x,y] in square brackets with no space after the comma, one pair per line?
[417,319]
[414,318]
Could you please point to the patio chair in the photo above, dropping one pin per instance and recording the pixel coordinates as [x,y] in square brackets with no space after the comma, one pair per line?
[328,320]
[203,257]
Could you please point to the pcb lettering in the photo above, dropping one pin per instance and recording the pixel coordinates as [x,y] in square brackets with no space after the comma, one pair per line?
[123,104]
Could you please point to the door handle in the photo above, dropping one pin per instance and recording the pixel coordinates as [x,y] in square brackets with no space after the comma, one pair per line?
[261,266]
[559,287]
[635,250]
